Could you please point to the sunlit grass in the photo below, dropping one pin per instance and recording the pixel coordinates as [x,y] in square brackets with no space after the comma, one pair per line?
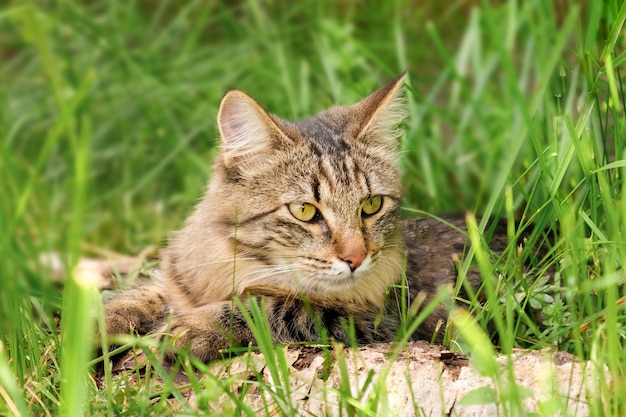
[107,133]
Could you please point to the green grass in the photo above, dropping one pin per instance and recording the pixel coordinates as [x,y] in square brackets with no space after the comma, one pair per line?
[107,127]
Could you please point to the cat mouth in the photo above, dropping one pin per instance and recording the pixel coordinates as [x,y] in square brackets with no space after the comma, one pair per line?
[341,275]
[329,277]
[325,281]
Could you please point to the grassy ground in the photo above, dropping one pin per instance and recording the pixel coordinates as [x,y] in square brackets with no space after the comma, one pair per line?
[107,131]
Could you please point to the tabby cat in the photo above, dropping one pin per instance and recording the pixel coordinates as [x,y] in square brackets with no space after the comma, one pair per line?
[306,216]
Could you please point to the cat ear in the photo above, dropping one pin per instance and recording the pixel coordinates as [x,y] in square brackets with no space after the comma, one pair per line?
[381,112]
[248,132]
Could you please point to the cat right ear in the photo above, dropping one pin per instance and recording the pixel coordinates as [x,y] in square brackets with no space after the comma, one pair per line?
[381,112]
[248,132]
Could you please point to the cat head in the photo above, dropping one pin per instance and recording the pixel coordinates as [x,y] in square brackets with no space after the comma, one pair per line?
[310,205]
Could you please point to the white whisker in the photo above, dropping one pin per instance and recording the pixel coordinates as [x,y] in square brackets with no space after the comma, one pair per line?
[216,262]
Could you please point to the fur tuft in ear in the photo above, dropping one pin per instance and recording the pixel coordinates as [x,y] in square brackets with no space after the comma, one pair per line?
[247,131]
[382,112]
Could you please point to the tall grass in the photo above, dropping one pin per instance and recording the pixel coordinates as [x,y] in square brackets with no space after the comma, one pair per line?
[107,133]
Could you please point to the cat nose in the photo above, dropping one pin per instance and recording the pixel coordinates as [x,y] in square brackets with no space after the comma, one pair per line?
[354,261]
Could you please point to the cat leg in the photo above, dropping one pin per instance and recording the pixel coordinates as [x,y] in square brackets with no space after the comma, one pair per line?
[206,331]
[140,309]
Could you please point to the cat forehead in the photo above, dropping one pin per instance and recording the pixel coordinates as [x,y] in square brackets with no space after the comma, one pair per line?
[329,128]
[327,155]
[348,177]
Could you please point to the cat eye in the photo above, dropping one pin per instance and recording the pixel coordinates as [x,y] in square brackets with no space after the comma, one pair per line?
[303,211]
[372,205]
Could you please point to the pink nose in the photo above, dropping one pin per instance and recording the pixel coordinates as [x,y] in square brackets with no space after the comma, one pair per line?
[354,261]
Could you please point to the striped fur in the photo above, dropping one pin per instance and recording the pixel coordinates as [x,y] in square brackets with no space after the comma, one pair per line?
[242,240]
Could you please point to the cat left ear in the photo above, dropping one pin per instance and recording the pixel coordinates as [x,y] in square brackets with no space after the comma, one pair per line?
[248,132]
[381,112]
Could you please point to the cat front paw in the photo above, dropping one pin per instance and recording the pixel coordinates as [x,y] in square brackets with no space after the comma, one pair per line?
[203,336]
[118,323]
[138,310]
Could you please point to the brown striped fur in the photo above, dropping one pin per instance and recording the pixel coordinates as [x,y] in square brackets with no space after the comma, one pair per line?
[242,241]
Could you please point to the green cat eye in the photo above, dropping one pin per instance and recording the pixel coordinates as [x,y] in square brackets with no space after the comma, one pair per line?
[303,211]
[372,205]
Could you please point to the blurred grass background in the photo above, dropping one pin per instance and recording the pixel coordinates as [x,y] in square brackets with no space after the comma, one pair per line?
[107,129]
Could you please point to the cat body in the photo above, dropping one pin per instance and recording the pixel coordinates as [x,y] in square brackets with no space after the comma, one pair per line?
[305,216]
